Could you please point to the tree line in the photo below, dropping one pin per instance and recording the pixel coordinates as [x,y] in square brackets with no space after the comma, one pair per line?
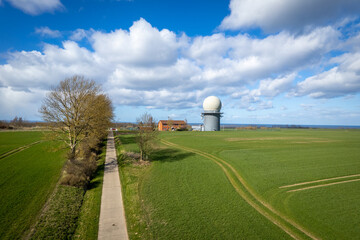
[78,114]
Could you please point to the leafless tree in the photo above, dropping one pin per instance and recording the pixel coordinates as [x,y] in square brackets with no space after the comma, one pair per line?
[146,136]
[76,110]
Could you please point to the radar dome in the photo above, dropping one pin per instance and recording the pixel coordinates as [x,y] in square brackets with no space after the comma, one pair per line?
[212,103]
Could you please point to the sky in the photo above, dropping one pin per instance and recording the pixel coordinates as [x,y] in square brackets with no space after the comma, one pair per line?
[270,62]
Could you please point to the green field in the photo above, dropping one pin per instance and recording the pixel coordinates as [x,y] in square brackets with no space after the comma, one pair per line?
[227,185]
[27,178]
[13,140]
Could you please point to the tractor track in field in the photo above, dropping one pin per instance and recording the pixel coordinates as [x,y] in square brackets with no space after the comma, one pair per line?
[19,149]
[320,180]
[284,223]
[324,185]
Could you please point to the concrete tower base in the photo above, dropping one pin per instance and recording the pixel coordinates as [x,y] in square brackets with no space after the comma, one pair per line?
[211,121]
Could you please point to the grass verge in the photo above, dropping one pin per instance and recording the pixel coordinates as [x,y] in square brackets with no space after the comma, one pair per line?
[131,179]
[59,219]
[131,176]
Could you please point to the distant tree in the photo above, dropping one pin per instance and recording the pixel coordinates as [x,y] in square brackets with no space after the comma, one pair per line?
[4,125]
[77,110]
[17,121]
[146,135]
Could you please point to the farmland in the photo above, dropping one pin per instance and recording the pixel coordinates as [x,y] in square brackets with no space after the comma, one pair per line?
[27,178]
[265,184]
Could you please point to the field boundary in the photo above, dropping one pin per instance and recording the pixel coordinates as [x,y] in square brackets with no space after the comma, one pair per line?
[240,185]
[19,149]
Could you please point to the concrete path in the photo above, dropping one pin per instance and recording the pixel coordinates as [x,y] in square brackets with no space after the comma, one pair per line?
[112,224]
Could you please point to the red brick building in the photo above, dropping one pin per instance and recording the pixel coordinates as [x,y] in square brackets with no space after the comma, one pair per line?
[167,125]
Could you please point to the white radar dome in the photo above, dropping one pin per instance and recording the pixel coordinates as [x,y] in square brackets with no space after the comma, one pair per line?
[212,103]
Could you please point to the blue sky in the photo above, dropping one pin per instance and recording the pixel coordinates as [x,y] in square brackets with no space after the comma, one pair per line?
[270,62]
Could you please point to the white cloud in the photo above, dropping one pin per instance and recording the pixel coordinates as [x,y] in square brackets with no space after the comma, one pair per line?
[155,99]
[22,104]
[42,70]
[277,15]
[47,32]
[274,87]
[242,59]
[36,7]
[339,81]
[176,76]
[269,88]
[80,34]
[145,66]
[142,45]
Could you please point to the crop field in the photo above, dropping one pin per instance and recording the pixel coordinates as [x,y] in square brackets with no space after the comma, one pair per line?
[28,175]
[263,184]
[13,140]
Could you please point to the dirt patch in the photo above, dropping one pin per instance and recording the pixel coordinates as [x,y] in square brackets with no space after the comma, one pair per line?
[141,163]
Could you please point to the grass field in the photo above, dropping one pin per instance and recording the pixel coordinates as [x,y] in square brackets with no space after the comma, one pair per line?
[12,140]
[27,178]
[230,185]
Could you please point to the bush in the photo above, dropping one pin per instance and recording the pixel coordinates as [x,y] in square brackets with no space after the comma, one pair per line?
[81,166]
[78,172]
[182,129]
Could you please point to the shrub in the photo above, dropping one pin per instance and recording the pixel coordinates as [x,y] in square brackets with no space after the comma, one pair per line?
[78,172]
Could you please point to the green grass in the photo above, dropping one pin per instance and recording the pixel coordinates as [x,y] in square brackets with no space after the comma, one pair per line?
[27,178]
[59,220]
[13,139]
[270,159]
[136,218]
[131,176]
[88,222]
[189,197]
[184,195]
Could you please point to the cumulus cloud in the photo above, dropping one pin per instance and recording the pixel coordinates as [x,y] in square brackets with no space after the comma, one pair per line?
[35,69]
[177,76]
[47,32]
[277,15]
[80,34]
[36,7]
[339,81]
[14,103]
[241,59]
[156,68]
[156,98]
[141,45]
[258,98]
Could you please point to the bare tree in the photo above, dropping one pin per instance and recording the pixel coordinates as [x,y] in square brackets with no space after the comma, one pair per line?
[146,136]
[77,110]
[17,122]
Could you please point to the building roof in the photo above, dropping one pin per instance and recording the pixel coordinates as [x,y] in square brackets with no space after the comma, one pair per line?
[174,122]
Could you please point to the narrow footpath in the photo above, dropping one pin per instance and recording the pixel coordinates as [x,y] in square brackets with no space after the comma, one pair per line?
[112,223]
